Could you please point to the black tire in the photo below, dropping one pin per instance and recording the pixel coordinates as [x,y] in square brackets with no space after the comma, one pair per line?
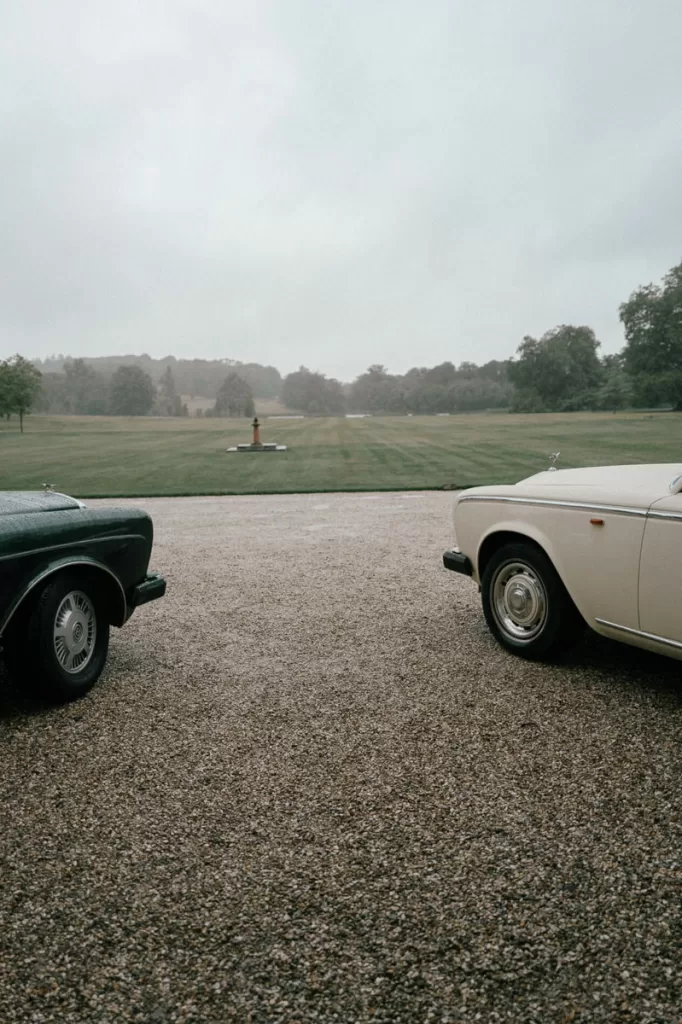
[59,644]
[526,606]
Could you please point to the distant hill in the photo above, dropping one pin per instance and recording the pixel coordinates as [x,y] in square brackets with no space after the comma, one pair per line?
[198,378]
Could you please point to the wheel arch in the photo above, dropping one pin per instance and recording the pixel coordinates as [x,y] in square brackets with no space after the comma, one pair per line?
[514,533]
[111,588]
[498,537]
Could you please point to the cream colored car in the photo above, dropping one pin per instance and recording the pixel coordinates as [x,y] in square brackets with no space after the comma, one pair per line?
[601,546]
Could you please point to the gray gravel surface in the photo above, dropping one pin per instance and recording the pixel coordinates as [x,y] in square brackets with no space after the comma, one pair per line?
[310,787]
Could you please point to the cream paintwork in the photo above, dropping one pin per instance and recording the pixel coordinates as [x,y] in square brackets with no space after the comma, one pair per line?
[660,579]
[626,573]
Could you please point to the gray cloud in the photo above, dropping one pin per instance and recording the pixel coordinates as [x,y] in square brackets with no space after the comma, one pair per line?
[333,184]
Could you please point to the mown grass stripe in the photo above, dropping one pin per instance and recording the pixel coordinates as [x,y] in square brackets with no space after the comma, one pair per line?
[127,457]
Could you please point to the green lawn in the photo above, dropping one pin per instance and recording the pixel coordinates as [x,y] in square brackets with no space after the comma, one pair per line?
[117,456]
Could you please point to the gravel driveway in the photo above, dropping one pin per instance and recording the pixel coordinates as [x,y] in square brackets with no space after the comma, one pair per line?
[310,787]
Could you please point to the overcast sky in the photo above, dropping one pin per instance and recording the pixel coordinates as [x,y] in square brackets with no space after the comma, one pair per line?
[333,182]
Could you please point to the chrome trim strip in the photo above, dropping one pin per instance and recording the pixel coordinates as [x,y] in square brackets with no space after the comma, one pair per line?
[640,632]
[621,510]
[68,545]
[664,515]
[50,572]
[60,494]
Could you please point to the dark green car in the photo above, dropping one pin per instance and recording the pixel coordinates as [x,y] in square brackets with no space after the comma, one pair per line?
[68,573]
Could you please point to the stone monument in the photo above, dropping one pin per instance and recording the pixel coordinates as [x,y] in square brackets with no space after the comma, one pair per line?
[257,445]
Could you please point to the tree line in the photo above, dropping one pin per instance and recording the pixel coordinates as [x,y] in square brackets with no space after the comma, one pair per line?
[192,377]
[561,371]
[81,390]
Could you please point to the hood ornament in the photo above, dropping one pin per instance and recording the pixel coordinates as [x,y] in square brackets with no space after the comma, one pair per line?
[553,458]
[48,487]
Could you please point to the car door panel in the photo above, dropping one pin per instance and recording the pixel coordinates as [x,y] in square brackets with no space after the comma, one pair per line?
[660,573]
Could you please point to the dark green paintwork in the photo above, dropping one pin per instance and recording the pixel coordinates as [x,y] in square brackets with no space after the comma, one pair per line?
[43,532]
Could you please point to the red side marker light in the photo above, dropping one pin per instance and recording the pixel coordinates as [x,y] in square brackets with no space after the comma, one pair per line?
[597,522]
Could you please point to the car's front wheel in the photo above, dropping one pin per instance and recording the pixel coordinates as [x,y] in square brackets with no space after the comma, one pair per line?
[526,606]
[60,643]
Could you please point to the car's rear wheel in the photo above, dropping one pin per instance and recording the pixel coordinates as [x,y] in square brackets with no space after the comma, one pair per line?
[60,642]
[526,606]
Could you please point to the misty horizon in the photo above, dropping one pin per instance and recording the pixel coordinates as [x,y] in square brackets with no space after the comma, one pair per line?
[304,184]
[230,363]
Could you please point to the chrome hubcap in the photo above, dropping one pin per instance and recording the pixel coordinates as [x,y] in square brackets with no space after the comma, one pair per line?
[519,601]
[75,631]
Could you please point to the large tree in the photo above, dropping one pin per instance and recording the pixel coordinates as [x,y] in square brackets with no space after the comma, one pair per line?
[377,390]
[616,391]
[79,382]
[53,398]
[313,393]
[5,390]
[86,392]
[652,318]
[235,397]
[168,401]
[132,392]
[559,371]
[19,387]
